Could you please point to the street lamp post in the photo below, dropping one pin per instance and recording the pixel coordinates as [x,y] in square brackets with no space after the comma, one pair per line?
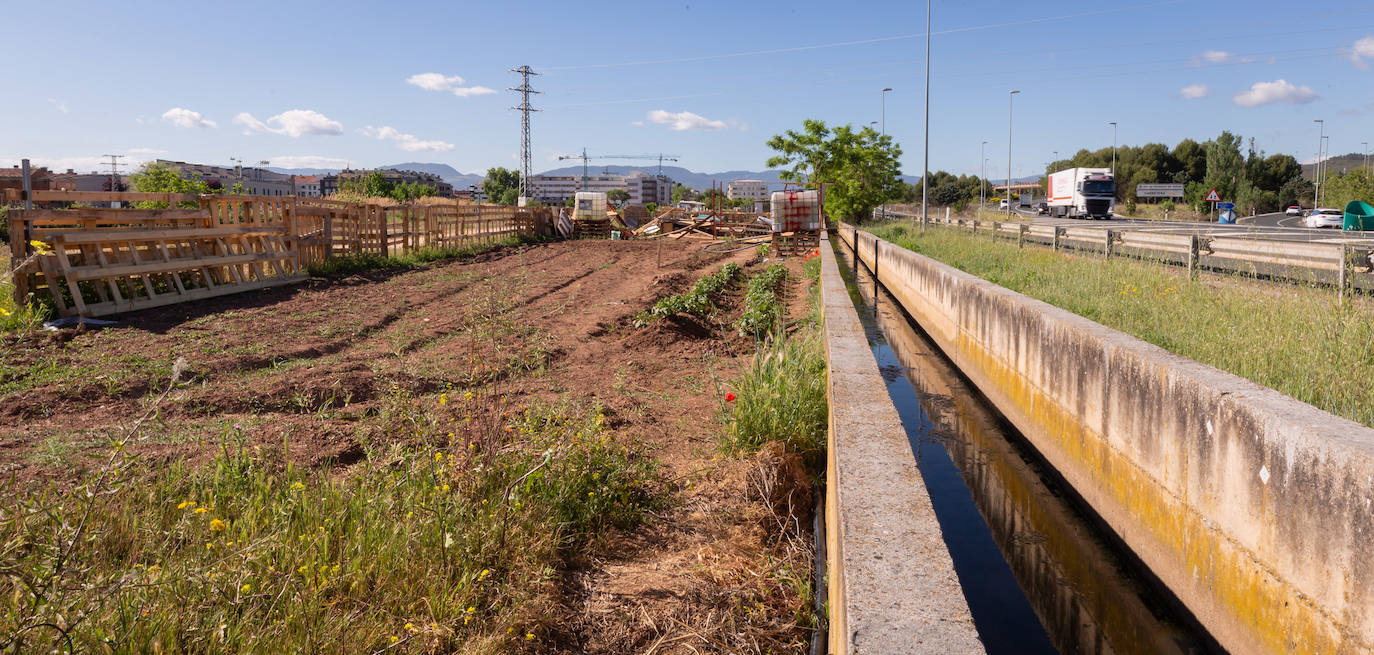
[1113,124]
[1317,166]
[884,126]
[925,145]
[1010,97]
[1326,156]
[982,197]
[1365,145]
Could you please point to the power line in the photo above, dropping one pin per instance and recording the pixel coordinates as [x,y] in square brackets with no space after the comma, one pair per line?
[524,108]
[881,39]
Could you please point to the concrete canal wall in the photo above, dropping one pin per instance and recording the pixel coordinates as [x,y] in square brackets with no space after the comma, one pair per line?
[1252,507]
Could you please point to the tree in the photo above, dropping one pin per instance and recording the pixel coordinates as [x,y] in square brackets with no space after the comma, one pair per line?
[1225,168]
[681,193]
[502,185]
[618,197]
[947,194]
[1191,159]
[157,178]
[858,169]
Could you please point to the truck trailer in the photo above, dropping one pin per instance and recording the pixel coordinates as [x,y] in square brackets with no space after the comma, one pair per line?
[1082,193]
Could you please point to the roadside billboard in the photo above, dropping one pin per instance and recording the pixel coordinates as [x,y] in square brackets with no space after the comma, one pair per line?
[1159,190]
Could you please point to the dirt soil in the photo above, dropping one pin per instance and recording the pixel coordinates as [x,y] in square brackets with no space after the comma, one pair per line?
[721,569]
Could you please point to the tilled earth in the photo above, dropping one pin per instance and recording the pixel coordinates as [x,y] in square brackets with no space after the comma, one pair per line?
[722,569]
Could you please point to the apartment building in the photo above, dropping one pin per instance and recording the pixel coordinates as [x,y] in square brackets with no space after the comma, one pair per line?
[308,186]
[755,190]
[256,181]
[643,188]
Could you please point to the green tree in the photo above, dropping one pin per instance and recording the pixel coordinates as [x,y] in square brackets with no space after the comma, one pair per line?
[1191,159]
[858,169]
[618,197]
[1225,167]
[157,178]
[681,193]
[502,185]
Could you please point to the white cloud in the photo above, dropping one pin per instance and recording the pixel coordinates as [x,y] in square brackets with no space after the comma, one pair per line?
[637,123]
[1362,48]
[186,119]
[135,152]
[1215,56]
[293,123]
[1278,91]
[452,83]
[1194,91]
[59,105]
[308,161]
[407,142]
[88,164]
[684,120]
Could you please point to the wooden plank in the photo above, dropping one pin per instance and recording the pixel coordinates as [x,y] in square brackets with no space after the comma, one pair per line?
[142,268]
[105,309]
[158,235]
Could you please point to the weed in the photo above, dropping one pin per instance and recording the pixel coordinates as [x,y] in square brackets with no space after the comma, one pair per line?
[762,312]
[699,301]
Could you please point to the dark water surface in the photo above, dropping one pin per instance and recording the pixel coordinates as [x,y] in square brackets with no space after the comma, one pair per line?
[1040,574]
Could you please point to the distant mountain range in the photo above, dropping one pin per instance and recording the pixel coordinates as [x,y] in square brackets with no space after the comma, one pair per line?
[1336,164]
[690,178]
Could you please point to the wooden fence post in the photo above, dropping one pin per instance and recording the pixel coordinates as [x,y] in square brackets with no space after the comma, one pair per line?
[1107,243]
[1343,282]
[1021,235]
[1058,237]
[1194,244]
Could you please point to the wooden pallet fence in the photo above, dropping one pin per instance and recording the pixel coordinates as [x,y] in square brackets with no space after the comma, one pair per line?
[107,261]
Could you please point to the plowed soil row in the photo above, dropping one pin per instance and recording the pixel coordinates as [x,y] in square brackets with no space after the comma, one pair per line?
[316,366]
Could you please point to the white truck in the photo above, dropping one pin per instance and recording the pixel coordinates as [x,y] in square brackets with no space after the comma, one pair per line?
[1082,193]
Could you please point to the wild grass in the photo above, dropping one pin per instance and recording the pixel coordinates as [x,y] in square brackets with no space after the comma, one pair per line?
[1298,340]
[439,543]
[350,264]
[21,318]
[781,395]
[762,311]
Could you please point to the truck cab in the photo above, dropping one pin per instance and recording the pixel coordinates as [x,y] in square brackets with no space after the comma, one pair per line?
[1082,193]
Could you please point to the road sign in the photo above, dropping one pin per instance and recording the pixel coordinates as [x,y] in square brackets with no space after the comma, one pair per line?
[1159,190]
[1212,197]
[1224,206]
[1226,216]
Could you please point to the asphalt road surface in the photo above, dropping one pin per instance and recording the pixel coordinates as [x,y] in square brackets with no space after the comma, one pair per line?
[1274,227]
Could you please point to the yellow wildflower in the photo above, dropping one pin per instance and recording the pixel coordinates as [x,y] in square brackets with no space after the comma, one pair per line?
[40,247]
[468,395]
[185,504]
[303,570]
[438,456]
[444,488]
[443,398]
[217,525]
[529,636]
[395,639]
[246,588]
[410,627]
[298,486]
[202,510]
[483,575]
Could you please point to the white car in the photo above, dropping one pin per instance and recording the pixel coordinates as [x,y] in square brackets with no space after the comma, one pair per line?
[1002,204]
[1293,210]
[1325,217]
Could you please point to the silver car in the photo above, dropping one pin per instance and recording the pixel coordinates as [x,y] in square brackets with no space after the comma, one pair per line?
[1325,217]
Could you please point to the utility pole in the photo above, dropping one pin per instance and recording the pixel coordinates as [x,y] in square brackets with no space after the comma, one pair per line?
[925,160]
[114,165]
[1113,124]
[1317,166]
[1010,97]
[1365,145]
[524,108]
[1326,156]
[982,177]
[884,131]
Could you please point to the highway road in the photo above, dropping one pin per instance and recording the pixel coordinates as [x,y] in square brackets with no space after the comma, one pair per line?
[1274,227]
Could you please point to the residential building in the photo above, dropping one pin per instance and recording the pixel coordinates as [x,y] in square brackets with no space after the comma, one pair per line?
[643,188]
[755,190]
[329,184]
[256,181]
[74,181]
[13,178]
[308,186]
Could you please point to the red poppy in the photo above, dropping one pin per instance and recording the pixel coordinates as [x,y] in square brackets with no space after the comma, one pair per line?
[729,397]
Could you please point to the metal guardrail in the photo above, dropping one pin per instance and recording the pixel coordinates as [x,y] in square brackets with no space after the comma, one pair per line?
[1345,266]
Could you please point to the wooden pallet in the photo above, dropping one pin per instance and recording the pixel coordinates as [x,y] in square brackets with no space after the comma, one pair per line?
[129,270]
[794,244]
[591,229]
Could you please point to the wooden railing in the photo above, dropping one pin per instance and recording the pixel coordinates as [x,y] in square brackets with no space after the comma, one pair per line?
[96,261]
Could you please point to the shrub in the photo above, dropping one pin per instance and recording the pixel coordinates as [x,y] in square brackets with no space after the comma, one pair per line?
[761,308]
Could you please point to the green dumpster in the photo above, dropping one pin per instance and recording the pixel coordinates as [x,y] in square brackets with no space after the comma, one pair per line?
[1358,216]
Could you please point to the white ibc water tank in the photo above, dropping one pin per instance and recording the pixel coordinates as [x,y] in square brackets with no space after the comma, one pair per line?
[589,205]
[796,211]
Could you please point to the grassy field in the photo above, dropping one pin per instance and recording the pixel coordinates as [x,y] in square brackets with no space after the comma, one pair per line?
[1295,339]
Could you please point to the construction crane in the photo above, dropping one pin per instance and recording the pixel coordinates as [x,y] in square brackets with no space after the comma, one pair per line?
[586,159]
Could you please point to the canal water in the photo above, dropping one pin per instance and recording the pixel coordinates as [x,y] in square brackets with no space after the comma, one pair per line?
[1040,573]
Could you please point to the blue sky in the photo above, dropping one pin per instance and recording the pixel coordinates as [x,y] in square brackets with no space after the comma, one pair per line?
[305,84]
